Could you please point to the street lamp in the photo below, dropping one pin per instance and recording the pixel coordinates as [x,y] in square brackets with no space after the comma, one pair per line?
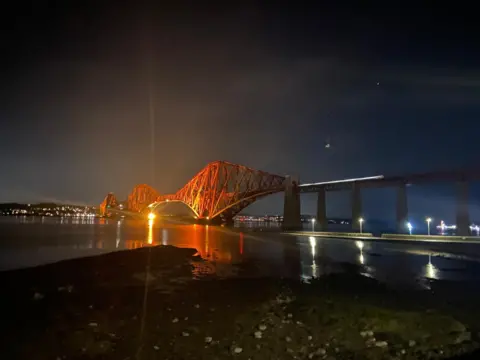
[410,227]
[429,220]
[151,216]
[360,221]
[313,224]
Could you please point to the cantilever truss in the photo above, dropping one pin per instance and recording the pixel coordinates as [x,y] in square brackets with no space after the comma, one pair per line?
[110,201]
[141,196]
[224,189]
[219,190]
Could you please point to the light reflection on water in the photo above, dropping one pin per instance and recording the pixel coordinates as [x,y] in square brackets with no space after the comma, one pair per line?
[29,242]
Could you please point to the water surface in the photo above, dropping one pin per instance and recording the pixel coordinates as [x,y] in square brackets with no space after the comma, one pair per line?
[26,242]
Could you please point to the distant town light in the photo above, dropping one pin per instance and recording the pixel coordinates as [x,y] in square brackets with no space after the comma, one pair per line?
[151,216]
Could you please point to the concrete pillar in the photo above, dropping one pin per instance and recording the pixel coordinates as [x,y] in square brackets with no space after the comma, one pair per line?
[291,206]
[402,209]
[463,218]
[321,224]
[356,207]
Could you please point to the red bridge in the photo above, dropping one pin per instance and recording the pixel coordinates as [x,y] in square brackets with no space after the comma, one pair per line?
[218,192]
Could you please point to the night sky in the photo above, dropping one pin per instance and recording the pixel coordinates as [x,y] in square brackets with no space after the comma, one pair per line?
[394,90]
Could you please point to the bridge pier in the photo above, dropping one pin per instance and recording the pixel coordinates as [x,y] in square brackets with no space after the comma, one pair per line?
[291,205]
[356,207]
[402,208]
[322,210]
[463,218]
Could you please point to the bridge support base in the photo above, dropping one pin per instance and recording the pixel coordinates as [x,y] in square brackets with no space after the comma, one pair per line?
[322,211]
[356,207]
[291,206]
[402,209]
[463,218]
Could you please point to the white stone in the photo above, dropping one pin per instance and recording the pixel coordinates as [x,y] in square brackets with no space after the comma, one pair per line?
[262,327]
[321,351]
[174,320]
[258,334]
[156,347]
[381,344]
[309,337]
[288,339]
[93,324]
[412,343]
[237,350]
[196,306]
[208,339]
[185,333]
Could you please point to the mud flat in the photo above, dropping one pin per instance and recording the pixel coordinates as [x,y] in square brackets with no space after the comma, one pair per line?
[167,303]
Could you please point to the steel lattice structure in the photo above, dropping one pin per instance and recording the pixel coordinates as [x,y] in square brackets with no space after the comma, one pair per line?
[219,191]
[141,196]
[110,201]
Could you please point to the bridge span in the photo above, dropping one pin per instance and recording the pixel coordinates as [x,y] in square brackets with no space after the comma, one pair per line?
[222,189]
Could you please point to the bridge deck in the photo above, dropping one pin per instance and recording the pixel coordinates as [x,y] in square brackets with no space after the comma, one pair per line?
[385,181]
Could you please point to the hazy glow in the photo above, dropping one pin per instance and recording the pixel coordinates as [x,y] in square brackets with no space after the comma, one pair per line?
[313,242]
[151,216]
[360,244]
[150,231]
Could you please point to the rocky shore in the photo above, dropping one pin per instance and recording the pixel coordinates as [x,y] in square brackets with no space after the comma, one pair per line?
[166,303]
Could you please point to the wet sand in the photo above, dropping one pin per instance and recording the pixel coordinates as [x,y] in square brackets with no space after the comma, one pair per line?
[164,303]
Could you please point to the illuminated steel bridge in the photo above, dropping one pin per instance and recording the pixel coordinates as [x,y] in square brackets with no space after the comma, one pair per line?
[218,192]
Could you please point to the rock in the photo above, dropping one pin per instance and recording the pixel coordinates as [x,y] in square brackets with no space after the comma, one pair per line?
[208,339]
[363,334]
[369,333]
[185,333]
[186,318]
[258,346]
[403,351]
[156,347]
[93,324]
[38,296]
[381,344]
[463,337]
[237,350]
[288,339]
[257,334]
[174,320]
[309,337]
[289,316]
[196,306]
[262,327]
[321,352]
[412,343]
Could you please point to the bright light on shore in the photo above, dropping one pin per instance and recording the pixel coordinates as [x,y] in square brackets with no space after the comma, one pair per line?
[151,216]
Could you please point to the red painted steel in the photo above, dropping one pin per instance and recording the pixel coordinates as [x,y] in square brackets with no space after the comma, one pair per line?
[110,201]
[220,189]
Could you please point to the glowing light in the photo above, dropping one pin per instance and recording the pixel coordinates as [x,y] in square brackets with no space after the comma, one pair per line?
[429,220]
[150,231]
[313,242]
[378,177]
[410,227]
[361,224]
[151,216]
[359,244]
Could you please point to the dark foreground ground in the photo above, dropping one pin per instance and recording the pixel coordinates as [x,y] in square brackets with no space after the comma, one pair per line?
[143,304]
